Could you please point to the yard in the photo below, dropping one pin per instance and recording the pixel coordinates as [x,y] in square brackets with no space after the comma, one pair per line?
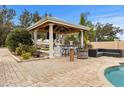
[53,72]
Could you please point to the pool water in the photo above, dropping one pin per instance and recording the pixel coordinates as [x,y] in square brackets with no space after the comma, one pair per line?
[115,75]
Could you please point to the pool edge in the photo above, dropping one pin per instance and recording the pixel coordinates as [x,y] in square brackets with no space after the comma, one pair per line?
[101,74]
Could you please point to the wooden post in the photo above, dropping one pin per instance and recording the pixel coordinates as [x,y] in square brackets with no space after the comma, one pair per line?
[71,54]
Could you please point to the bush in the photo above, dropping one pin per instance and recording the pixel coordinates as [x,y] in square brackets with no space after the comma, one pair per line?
[32,49]
[3,34]
[26,55]
[25,48]
[18,51]
[18,36]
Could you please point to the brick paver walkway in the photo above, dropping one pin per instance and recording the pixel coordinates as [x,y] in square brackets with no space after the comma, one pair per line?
[51,72]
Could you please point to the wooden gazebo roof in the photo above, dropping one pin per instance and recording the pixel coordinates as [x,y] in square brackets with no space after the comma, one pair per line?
[60,26]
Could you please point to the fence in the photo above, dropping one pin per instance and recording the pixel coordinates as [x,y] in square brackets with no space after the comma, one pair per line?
[108,44]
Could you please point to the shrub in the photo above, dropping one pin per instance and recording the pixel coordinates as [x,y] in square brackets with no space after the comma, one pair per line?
[32,49]
[3,34]
[25,48]
[18,51]
[17,36]
[26,55]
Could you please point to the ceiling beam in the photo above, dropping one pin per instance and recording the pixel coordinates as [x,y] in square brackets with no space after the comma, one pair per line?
[56,28]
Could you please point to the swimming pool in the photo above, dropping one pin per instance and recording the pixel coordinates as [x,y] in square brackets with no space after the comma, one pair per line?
[115,75]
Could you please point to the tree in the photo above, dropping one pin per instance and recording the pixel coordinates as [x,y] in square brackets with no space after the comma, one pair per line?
[91,32]
[18,36]
[3,34]
[47,14]
[87,34]
[6,22]
[36,17]
[70,38]
[83,19]
[107,32]
[6,16]
[25,19]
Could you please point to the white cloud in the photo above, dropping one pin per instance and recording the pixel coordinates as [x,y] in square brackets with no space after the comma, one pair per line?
[116,20]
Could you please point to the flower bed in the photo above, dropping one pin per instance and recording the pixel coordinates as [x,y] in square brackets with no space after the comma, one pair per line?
[20,59]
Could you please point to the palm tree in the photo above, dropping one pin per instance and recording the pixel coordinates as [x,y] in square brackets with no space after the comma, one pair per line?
[88,35]
[83,21]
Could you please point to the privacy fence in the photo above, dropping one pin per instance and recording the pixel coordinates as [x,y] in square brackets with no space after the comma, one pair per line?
[108,44]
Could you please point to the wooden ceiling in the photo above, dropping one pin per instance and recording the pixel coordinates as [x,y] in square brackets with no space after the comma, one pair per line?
[57,28]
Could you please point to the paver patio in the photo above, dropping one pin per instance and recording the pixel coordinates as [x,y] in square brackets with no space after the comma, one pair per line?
[52,72]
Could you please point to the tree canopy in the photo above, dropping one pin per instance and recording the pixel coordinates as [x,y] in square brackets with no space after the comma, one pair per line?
[6,16]
[25,19]
[107,32]
[36,17]
[6,23]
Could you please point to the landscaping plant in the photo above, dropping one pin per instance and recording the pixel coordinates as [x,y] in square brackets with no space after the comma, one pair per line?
[25,49]
[26,55]
[17,36]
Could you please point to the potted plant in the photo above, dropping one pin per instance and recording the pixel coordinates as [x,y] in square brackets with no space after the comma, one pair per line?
[82,53]
[71,39]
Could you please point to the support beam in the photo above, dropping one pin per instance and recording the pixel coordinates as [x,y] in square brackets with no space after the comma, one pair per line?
[63,39]
[35,38]
[56,28]
[51,51]
[82,39]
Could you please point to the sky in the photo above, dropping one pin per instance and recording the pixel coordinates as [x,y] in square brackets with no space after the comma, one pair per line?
[97,13]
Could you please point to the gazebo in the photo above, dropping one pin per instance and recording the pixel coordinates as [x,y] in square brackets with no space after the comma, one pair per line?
[53,25]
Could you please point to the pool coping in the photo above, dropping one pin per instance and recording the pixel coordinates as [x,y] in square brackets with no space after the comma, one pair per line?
[102,76]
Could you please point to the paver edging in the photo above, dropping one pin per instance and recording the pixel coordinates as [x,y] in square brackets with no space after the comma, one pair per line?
[16,58]
[20,60]
[34,59]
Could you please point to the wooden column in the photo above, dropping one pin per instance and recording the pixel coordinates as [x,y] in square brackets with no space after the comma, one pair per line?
[71,54]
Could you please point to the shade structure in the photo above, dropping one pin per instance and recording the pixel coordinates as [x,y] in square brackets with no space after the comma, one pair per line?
[53,25]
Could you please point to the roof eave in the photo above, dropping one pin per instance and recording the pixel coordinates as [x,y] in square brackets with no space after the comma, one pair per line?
[49,19]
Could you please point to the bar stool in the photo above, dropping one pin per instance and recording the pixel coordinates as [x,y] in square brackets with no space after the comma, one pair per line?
[65,51]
